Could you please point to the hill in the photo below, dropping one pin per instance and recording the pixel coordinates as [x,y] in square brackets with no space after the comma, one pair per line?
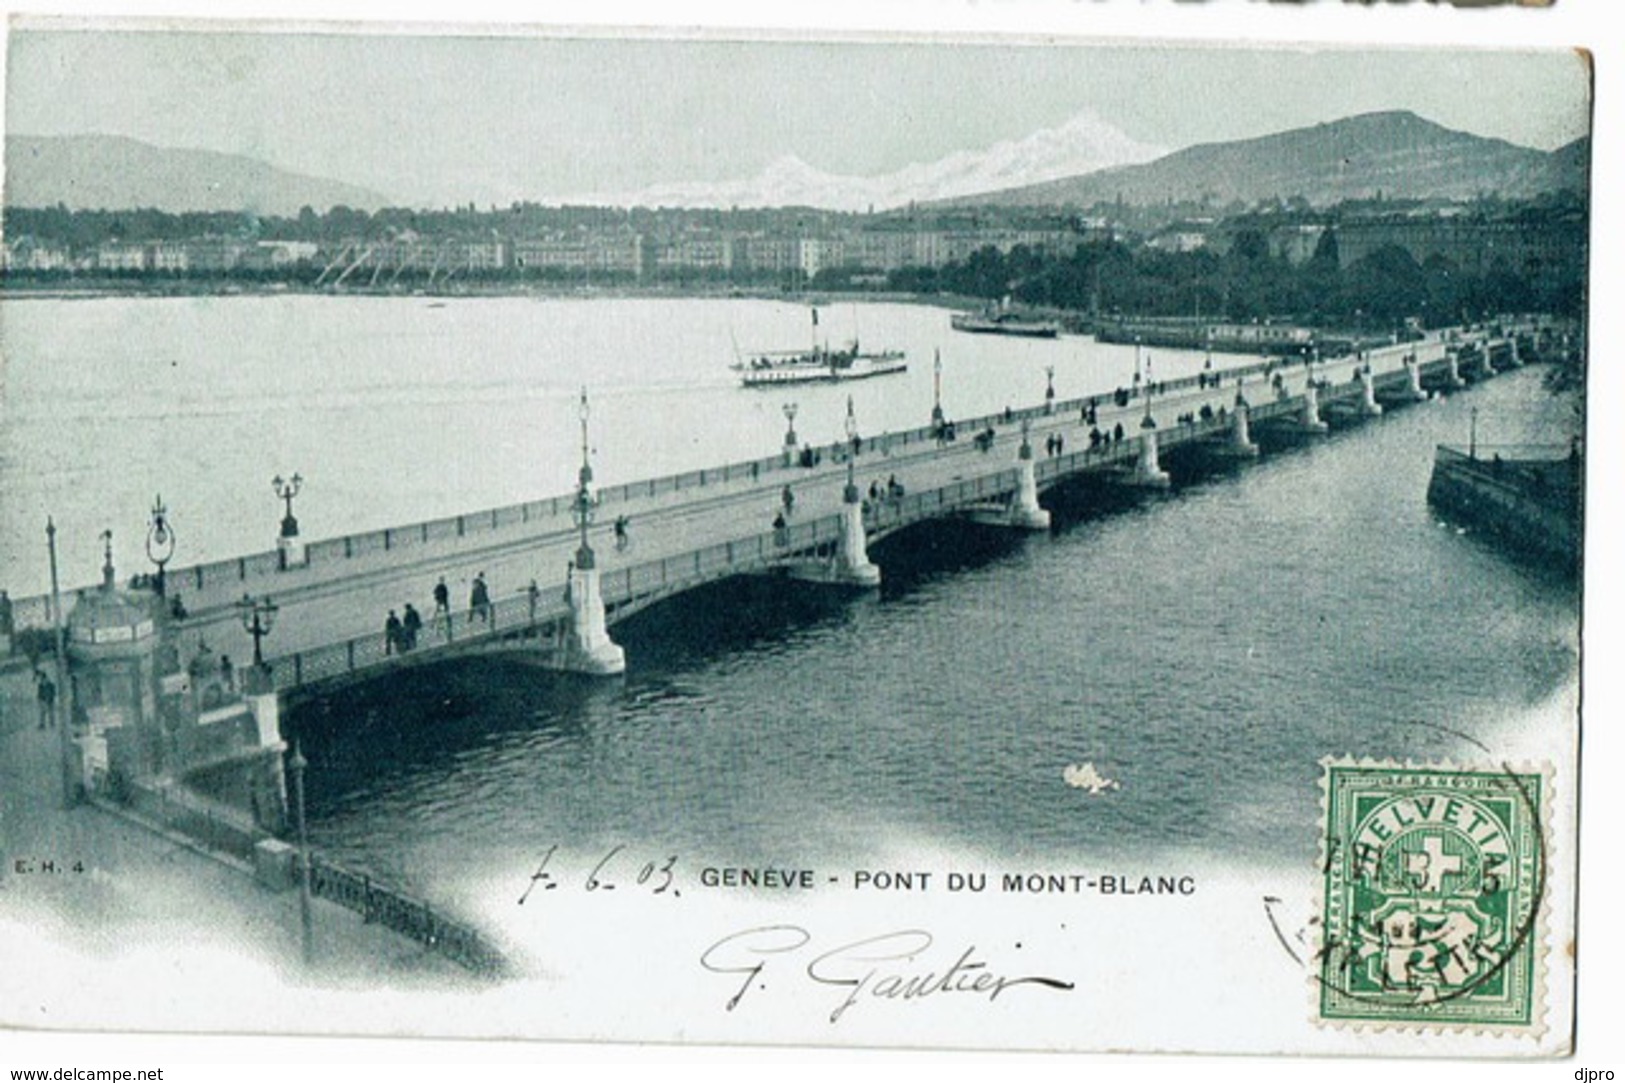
[103,172]
[1396,154]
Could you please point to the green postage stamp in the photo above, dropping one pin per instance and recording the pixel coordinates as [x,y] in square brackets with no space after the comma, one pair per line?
[1433,891]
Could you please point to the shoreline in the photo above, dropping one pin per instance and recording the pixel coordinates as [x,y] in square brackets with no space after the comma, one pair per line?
[96,289]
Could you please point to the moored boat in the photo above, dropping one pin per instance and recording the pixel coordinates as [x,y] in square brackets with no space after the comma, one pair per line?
[819,364]
[1000,319]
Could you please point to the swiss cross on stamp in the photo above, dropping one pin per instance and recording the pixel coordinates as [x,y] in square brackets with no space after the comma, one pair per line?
[1433,883]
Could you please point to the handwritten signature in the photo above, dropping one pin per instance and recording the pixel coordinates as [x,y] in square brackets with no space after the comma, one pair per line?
[873,968]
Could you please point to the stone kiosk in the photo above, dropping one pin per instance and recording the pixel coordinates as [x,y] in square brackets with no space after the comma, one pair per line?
[179,740]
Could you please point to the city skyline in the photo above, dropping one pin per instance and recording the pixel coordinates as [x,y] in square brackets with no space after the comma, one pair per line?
[444,119]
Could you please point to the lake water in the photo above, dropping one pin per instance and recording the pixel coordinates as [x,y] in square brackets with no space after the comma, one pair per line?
[1204,649]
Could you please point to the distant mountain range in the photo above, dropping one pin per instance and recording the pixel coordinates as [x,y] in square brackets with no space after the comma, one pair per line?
[1397,154]
[105,172]
[1081,163]
[1082,144]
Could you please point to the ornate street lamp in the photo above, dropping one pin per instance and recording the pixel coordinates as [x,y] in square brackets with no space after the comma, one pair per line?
[936,391]
[286,491]
[851,453]
[257,615]
[790,410]
[583,502]
[1147,422]
[160,541]
[61,717]
[1049,388]
[297,765]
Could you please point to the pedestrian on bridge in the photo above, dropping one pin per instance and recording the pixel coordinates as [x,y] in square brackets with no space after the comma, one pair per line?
[228,673]
[442,598]
[392,634]
[789,498]
[411,624]
[479,600]
[45,692]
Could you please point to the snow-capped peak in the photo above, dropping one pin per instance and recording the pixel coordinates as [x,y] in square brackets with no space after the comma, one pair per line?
[1081,145]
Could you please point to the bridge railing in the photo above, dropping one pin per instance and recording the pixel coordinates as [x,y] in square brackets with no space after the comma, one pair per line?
[540,613]
[405,915]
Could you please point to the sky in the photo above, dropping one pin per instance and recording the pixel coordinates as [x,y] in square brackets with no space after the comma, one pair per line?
[441,119]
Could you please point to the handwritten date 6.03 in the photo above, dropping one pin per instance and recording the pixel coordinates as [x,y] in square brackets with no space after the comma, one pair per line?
[656,876]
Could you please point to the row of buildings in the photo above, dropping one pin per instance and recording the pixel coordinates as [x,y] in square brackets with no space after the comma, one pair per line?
[584,253]
[203,255]
[1474,242]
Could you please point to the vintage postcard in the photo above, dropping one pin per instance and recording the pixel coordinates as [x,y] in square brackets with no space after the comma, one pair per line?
[783,539]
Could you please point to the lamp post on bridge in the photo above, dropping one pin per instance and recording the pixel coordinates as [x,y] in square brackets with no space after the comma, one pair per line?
[851,563]
[587,647]
[296,766]
[1049,389]
[285,492]
[1147,422]
[851,494]
[257,615]
[583,508]
[61,714]
[790,441]
[291,549]
[160,541]
[936,392]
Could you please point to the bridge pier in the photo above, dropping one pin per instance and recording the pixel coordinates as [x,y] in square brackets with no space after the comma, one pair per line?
[1369,406]
[850,565]
[587,646]
[1241,437]
[1310,421]
[1484,368]
[1148,471]
[1024,510]
[1453,369]
[1513,360]
[1413,379]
